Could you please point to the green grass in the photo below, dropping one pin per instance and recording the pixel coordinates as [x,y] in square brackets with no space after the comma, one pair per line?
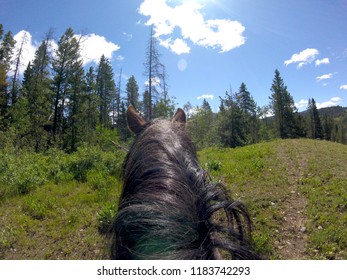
[58,217]
[263,176]
[56,222]
[58,206]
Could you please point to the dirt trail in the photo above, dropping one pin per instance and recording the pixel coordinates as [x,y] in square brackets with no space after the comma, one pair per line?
[293,235]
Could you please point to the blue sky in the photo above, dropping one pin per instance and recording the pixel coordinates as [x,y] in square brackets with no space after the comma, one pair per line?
[207,46]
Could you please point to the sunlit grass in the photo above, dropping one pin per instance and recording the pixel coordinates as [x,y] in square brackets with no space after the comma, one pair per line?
[57,218]
[258,175]
[71,199]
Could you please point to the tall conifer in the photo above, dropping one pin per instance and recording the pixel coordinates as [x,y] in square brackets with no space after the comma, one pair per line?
[283,108]
[105,88]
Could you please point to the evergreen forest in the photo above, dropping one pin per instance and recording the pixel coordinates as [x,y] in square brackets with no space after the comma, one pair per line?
[59,103]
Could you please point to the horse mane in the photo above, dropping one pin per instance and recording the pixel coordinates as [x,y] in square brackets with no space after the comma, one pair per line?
[169,207]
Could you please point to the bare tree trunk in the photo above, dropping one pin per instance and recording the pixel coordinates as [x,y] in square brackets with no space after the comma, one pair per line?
[14,90]
[150,76]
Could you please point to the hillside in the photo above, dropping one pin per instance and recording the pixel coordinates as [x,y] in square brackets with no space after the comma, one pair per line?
[295,190]
[333,111]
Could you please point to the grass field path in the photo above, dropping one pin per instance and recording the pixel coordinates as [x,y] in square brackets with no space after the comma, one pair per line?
[293,229]
[296,194]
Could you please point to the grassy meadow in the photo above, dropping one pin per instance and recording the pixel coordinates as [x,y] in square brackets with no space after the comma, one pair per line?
[58,206]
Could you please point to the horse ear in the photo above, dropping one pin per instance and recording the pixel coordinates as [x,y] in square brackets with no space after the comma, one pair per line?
[180,116]
[135,122]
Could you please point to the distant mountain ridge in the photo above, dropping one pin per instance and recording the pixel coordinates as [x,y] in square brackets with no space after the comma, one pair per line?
[334,111]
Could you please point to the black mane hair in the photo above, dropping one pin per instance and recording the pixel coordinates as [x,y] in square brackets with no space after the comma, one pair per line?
[169,208]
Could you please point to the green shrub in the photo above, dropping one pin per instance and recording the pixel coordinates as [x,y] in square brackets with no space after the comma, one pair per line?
[8,236]
[106,216]
[56,164]
[214,165]
[21,173]
[89,158]
[100,179]
[35,208]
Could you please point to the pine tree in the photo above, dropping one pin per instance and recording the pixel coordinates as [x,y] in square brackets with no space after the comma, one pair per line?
[201,126]
[339,133]
[165,107]
[315,126]
[343,125]
[37,94]
[266,124]
[282,105]
[105,88]
[92,113]
[132,91]
[76,101]
[67,84]
[6,52]
[248,109]
[300,126]
[20,127]
[123,131]
[230,126]
[144,104]
[206,106]
[328,126]
[245,100]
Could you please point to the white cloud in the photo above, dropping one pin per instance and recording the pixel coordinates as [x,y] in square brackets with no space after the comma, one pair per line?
[120,58]
[155,81]
[301,64]
[268,114]
[322,61]
[343,87]
[28,50]
[223,34]
[94,46]
[332,102]
[305,57]
[228,35]
[206,96]
[52,46]
[324,77]
[303,103]
[193,111]
[177,46]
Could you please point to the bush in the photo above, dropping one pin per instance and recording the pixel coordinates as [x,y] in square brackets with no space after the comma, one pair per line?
[35,208]
[19,174]
[105,217]
[90,158]
[214,165]
[22,172]
[57,166]
[99,179]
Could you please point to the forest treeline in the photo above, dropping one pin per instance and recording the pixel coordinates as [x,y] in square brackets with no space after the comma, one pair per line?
[59,103]
[241,122]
